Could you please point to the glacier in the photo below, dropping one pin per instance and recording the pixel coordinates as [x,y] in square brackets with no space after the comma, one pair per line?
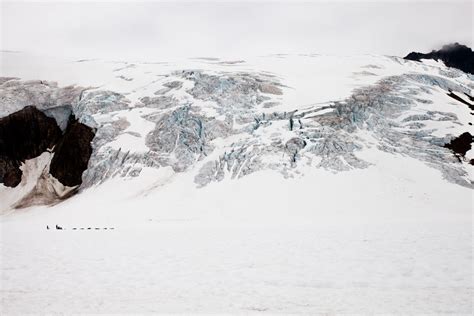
[219,123]
[280,184]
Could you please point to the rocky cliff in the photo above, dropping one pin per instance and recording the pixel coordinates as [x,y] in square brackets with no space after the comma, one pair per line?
[453,55]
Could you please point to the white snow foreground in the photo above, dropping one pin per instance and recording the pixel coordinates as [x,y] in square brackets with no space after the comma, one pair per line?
[385,229]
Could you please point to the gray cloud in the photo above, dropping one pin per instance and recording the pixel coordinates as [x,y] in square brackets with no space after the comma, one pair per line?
[155,30]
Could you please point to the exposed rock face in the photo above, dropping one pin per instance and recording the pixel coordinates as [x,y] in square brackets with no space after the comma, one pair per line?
[10,172]
[454,55]
[24,135]
[72,153]
[460,145]
[28,133]
[457,98]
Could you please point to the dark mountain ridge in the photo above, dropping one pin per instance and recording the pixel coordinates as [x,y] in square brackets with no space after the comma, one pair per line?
[453,55]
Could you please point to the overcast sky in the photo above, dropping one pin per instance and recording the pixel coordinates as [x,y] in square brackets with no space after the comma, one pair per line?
[147,30]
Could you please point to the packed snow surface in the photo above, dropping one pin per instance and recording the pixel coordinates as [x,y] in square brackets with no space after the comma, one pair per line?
[249,218]
[372,241]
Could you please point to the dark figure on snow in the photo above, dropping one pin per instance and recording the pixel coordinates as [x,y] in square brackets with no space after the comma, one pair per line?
[47,227]
[58,227]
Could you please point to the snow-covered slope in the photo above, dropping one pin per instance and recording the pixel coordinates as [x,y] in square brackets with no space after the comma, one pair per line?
[227,119]
[245,163]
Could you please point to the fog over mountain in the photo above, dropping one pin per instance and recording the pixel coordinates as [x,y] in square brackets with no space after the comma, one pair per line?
[156,30]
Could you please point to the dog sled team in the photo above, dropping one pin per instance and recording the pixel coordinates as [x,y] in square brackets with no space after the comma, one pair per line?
[57,227]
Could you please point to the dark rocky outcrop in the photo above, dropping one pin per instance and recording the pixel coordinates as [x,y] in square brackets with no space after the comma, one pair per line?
[453,55]
[457,98]
[10,173]
[24,135]
[72,153]
[461,144]
[469,96]
[28,133]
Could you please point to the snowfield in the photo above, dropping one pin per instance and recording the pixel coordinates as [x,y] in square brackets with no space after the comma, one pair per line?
[367,217]
[417,268]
